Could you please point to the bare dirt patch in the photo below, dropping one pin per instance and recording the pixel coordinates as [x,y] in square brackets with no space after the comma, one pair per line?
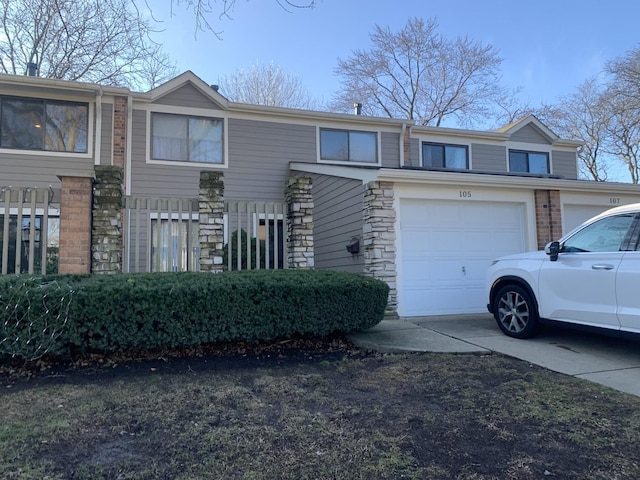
[323,410]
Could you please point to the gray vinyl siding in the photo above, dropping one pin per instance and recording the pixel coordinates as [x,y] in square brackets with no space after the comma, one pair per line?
[337,218]
[529,134]
[106,141]
[491,158]
[187,96]
[414,153]
[565,164]
[390,149]
[259,157]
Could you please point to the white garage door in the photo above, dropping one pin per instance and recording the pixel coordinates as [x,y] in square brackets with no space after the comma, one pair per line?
[574,215]
[446,248]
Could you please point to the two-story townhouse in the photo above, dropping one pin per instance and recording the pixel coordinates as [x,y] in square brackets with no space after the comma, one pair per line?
[425,209]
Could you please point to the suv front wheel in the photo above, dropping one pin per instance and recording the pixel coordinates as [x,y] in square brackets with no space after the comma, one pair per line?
[516,312]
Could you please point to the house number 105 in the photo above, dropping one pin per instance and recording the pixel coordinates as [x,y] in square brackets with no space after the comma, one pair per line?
[465,193]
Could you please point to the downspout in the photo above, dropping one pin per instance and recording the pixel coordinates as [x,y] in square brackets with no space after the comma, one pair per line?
[127,159]
[98,135]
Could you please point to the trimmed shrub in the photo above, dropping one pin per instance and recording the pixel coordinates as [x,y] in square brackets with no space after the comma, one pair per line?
[159,310]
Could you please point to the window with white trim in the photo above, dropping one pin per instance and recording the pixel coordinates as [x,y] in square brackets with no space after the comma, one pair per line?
[39,124]
[184,138]
[528,162]
[348,146]
[441,155]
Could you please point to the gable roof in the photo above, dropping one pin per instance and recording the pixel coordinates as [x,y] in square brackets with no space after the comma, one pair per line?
[535,123]
[191,78]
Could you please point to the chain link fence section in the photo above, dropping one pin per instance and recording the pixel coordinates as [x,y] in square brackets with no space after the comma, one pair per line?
[33,316]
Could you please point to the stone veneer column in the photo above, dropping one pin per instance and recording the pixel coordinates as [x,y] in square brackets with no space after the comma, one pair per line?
[106,239]
[75,225]
[211,221]
[300,251]
[379,238]
[548,216]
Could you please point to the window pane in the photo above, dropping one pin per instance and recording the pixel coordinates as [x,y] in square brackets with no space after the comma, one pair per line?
[205,140]
[169,137]
[362,147]
[22,123]
[517,162]
[605,235]
[433,155]
[334,145]
[66,129]
[456,157]
[538,163]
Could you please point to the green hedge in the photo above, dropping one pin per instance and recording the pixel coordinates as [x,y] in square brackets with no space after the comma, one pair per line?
[115,312]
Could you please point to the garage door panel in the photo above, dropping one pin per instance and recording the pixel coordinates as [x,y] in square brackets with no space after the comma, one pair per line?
[446,248]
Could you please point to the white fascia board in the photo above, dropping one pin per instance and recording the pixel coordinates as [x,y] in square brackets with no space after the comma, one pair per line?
[315,115]
[498,180]
[366,175]
[424,131]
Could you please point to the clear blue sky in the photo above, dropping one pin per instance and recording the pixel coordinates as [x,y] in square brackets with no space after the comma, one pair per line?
[548,46]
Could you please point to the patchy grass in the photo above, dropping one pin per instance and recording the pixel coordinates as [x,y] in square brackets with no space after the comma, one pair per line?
[317,415]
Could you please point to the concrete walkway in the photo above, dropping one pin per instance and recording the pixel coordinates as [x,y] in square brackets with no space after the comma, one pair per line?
[609,361]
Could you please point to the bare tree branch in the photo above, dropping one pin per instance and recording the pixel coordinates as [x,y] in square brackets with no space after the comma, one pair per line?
[266,85]
[420,75]
[102,41]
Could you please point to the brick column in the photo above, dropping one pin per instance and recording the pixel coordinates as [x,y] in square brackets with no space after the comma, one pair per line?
[119,131]
[300,251]
[75,225]
[211,221]
[548,216]
[106,239]
[379,238]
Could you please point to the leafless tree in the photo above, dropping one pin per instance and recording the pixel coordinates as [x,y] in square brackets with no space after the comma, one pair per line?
[418,74]
[266,84]
[102,41]
[203,10]
[584,115]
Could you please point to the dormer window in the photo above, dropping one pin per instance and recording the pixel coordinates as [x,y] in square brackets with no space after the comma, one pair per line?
[184,138]
[39,124]
[528,162]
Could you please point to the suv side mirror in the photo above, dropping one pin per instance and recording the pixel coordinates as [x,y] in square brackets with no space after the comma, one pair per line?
[552,249]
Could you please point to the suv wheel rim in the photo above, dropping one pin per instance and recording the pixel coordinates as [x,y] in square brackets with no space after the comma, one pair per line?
[513,312]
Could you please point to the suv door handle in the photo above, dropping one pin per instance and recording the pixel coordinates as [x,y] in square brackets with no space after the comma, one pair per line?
[602,266]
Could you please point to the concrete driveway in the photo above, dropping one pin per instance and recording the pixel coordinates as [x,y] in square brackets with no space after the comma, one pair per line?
[613,362]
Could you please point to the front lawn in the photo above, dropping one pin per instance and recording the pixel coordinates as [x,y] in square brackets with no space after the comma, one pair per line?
[315,414]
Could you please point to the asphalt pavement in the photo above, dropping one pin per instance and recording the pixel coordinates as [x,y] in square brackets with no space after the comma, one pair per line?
[610,361]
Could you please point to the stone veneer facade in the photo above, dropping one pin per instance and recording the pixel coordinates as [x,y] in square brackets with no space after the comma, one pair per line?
[211,221]
[299,199]
[106,228]
[379,238]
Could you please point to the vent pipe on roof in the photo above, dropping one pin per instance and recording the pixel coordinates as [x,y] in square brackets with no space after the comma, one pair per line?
[357,109]
[215,87]
[32,69]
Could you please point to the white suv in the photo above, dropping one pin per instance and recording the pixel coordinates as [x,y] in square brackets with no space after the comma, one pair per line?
[590,277]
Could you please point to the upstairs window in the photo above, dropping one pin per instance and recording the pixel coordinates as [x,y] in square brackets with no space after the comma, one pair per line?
[528,162]
[49,125]
[182,138]
[445,156]
[348,146]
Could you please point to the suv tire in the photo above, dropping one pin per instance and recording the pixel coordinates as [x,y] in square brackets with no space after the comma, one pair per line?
[515,312]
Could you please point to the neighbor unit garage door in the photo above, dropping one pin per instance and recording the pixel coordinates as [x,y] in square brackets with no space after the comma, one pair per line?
[446,248]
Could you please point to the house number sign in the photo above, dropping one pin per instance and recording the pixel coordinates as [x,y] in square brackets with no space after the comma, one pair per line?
[465,193]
